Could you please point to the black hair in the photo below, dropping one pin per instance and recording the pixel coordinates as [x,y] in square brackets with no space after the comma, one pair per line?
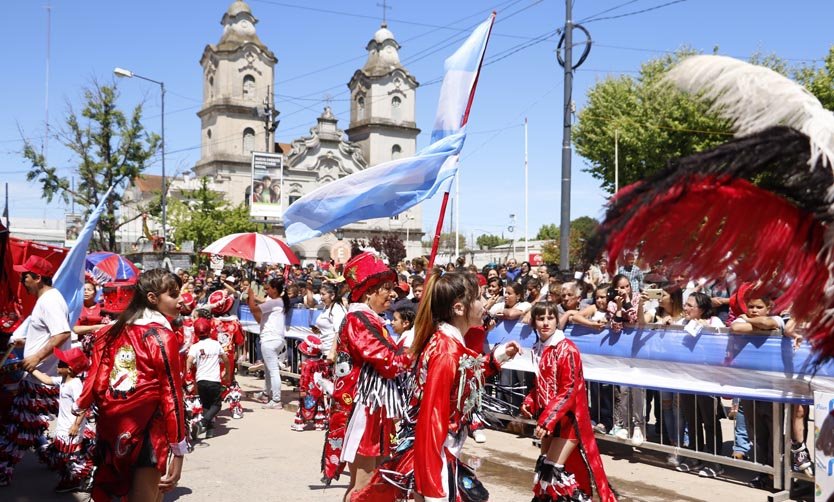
[542,308]
[157,281]
[703,302]
[277,283]
[407,314]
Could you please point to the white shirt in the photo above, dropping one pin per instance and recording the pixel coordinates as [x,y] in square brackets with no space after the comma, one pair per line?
[328,324]
[206,354]
[49,318]
[273,322]
[407,338]
[67,395]
[780,323]
[500,306]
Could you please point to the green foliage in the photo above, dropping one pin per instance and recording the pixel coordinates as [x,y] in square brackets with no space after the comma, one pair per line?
[580,230]
[548,232]
[203,216]
[447,241]
[490,241]
[655,123]
[111,150]
[820,81]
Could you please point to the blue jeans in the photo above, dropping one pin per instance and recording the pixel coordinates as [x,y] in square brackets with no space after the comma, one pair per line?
[272,350]
[741,443]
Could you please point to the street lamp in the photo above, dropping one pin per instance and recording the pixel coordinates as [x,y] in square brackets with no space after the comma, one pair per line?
[121,72]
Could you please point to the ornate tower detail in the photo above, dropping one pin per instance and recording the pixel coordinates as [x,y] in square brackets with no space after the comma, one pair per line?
[382,112]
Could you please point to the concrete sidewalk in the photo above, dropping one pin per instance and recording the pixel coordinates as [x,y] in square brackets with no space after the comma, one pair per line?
[260,458]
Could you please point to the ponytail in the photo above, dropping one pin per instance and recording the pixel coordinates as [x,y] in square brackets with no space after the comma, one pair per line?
[424,324]
[437,305]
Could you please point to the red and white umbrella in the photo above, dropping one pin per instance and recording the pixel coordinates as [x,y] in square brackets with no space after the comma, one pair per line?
[253,247]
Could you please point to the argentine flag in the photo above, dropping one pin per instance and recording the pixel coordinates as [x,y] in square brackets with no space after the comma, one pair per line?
[392,187]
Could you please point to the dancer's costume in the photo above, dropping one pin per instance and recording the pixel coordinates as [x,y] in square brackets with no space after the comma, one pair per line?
[366,396]
[775,176]
[448,387]
[227,330]
[136,384]
[560,401]
[311,413]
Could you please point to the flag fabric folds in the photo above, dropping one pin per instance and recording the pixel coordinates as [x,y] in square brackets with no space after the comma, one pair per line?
[392,187]
[69,279]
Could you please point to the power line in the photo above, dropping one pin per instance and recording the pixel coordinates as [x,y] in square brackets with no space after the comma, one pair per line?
[636,12]
[607,11]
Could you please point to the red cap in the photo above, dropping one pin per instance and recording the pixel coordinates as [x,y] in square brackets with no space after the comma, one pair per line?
[365,271]
[481,280]
[403,286]
[75,359]
[221,301]
[202,327]
[36,265]
[311,346]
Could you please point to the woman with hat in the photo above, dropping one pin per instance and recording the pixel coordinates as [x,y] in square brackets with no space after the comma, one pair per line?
[91,318]
[136,384]
[366,397]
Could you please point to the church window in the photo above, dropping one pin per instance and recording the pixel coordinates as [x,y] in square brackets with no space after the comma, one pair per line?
[292,199]
[360,108]
[211,87]
[248,87]
[395,107]
[248,140]
[396,150]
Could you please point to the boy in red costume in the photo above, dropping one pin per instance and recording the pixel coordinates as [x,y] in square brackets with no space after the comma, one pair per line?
[367,397]
[311,411]
[228,331]
[560,402]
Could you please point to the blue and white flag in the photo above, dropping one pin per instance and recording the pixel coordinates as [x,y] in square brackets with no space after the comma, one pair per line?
[69,279]
[392,187]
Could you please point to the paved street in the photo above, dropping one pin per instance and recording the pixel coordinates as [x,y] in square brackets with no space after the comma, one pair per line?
[258,458]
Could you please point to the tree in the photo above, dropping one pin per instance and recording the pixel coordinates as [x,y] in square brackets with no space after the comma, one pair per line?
[447,241]
[112,149]
[580,230]
[490,241]
[203,216]
[548,232]
[654,123]
[820,81]
[391,246]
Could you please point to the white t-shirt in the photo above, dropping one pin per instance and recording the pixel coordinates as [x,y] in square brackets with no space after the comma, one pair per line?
[328,323]
[407,338]
[50,317]
[206,354]
[67,395]
[780,324]
[273,323]
[500,306]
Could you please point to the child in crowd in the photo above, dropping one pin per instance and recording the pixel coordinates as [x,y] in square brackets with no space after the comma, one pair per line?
[403,325]
[311,398]
[570,464]
[71,449]
[227,330]
[206,355]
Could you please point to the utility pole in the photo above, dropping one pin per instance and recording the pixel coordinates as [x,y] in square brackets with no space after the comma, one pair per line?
[616,160]
[567,64]
[526,197]
[270,117]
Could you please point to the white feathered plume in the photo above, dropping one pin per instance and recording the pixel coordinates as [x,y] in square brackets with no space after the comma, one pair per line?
[755,98]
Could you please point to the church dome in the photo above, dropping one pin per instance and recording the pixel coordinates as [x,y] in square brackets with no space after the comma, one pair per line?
[383,34]
[238,7]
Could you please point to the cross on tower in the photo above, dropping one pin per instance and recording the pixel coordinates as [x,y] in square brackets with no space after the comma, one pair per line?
[385,7]
[328,99]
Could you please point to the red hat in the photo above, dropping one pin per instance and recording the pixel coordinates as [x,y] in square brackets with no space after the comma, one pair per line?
[738,300]
[364,271]
[481,280]
[311,346]
[222,302]
[187,303]
[116,296]
[403,286]
[36,265]
[75,359]
[202,327]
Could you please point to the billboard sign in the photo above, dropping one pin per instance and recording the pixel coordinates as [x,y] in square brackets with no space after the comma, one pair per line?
[265,198]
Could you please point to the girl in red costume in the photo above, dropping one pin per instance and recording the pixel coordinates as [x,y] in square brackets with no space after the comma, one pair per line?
[136,385]
[559,399]
[449,382]
[366,397]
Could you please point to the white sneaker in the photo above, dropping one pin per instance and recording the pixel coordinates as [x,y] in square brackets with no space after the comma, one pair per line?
[637,437]
[479,436]
[620,433]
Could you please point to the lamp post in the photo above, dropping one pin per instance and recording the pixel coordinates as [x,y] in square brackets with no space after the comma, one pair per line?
[121,72]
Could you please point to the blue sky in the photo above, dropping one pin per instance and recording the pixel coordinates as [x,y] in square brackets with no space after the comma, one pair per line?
[319,46]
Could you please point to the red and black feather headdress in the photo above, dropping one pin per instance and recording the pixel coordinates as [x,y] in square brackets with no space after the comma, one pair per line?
[760,204]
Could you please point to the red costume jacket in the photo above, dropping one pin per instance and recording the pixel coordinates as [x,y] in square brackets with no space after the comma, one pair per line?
[559,399]
[229,333]
[137,388]
[367,362]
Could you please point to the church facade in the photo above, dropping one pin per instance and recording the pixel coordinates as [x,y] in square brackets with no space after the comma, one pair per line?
[238,90]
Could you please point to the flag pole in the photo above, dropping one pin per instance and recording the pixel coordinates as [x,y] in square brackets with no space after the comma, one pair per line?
[463,121]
